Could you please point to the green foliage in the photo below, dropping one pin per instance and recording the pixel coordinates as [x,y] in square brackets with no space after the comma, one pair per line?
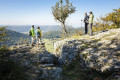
[52,34]
[3,51]
[110,21]
[23,41]
[59,34]
[13,38]
[49,43]
[100,25]
[113,17]
[78,32]
[2,34]
[62,11]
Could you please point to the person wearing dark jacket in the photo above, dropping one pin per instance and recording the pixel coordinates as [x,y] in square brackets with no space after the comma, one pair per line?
[86,21]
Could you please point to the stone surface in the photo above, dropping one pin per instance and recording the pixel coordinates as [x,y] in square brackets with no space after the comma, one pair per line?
[100,51]
[53,73]
[38,62]
[46,60]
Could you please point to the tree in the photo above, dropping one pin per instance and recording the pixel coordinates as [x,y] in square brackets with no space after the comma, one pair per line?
[62,11]
[109,21]
[3,38]
[113,17]
[2,34]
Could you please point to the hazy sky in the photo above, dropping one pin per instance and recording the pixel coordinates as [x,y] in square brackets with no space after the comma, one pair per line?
[38,12]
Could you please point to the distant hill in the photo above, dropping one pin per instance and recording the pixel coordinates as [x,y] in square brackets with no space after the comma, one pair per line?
[52,34]
[58,34]
[44,28]
[25,29]
[14,37]
[16,32]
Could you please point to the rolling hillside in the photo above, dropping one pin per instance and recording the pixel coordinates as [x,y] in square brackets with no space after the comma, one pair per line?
[26,28]
[48,32]
[14,37]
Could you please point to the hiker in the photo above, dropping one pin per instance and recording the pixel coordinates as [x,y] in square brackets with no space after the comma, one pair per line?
[32,34]
[91,17]
[86,21]
[38,36]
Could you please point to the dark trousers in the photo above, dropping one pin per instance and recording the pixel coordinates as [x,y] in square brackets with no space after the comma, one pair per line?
[86,28]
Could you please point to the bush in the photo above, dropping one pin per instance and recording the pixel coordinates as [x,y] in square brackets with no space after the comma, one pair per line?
[110,21]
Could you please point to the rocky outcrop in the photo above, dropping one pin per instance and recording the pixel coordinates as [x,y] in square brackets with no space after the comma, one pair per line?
[100,52]
[39,64]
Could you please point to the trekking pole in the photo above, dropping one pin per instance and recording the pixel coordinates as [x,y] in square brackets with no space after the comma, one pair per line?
[81,22]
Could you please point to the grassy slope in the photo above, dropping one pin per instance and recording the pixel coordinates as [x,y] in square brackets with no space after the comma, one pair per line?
[49,43]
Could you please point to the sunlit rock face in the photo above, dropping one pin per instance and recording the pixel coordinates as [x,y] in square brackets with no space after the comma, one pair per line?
[100,52]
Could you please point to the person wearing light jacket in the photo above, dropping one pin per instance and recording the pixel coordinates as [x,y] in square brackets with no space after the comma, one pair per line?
[91,17]
[32,34]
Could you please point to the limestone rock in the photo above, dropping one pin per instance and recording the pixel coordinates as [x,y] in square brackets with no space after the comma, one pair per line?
[52,73]
[46,60]
[100,51]
[38,62]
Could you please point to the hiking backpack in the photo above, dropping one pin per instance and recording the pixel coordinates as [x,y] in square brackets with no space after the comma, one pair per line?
[30,34]
[38,33]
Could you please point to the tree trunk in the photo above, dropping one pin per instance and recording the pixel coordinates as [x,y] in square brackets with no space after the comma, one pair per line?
[64,28]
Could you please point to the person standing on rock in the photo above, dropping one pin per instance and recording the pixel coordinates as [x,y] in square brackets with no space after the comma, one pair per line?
[32,34]
[38,36]
[86,21]
[91,17]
